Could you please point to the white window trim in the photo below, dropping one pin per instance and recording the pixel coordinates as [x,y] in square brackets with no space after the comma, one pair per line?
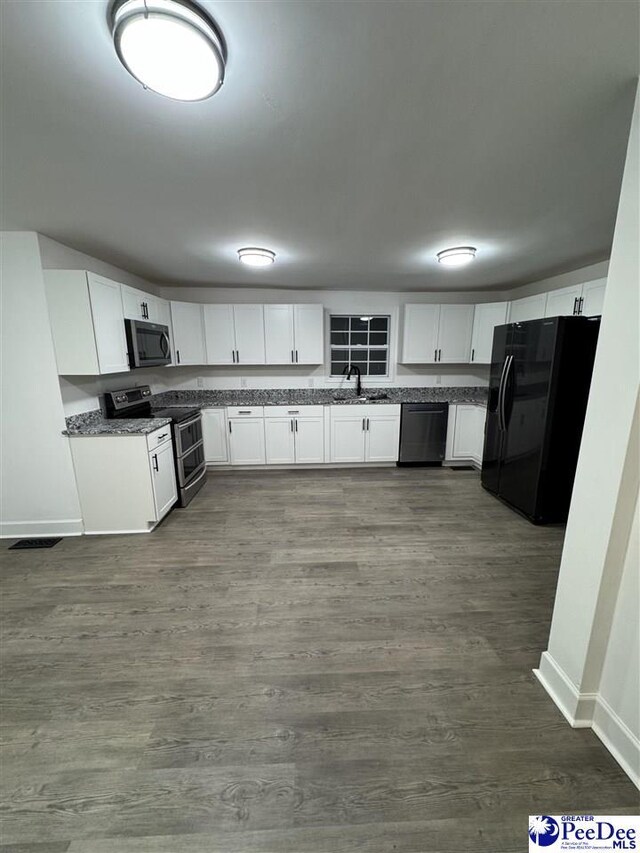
[367,381]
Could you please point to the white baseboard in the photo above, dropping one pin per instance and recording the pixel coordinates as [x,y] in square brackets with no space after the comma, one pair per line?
[590,710]
[576,707]
[40,529]
[618,738]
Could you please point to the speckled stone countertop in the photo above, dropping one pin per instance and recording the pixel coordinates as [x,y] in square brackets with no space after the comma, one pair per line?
[319,396]
[94,423]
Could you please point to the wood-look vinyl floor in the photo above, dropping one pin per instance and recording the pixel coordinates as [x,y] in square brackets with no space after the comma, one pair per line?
[318,661]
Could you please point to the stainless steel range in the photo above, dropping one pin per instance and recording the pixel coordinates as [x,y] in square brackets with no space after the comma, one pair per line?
[186,424]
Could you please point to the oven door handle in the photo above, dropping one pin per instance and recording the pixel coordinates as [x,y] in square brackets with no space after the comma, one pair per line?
[190,483]
[184,424]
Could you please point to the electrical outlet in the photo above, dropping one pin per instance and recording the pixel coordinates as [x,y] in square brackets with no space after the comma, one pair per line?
[438,379]
[311,383]
[200,382]
[243,382]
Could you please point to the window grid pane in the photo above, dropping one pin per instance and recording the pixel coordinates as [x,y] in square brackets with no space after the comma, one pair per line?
[359,340]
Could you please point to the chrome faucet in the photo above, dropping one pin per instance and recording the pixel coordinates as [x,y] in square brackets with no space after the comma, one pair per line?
[354,369]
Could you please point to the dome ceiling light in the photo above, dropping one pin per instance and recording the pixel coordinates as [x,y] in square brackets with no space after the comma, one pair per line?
[170,46]
[457,257]
[254,257]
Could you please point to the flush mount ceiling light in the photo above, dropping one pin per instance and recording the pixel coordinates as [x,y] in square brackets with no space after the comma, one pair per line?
[170,46]
[254,257]
[457,257]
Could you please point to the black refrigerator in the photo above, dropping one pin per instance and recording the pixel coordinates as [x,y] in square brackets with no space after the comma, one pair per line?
[538,390]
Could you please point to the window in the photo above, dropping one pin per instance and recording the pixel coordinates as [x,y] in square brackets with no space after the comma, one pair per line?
[363,341]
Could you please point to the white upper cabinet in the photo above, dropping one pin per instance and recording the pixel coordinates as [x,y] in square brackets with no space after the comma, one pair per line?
[234,334]
[563,302]
[248,321]
[420,334]
[294,334]
[220,335]
[87,323]
[454,333]
[138,305]
[437,333]
[279,334]
[308,324]
[188,333]
[486,317]
[528,308]
[592,297]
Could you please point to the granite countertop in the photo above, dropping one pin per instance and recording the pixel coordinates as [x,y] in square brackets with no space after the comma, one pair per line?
[94,423]
[320,396]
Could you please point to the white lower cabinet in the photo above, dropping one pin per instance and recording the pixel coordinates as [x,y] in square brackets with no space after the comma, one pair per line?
[279,437]
[214,434]
[126,483]
[246,440]
[365,433]
[294,435]
[465,435]
[163,472]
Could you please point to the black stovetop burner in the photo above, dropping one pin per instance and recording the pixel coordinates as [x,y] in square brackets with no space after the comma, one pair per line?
[177,414]
[135,403]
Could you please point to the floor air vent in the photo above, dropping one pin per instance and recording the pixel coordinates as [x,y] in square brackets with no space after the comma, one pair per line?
[36,543]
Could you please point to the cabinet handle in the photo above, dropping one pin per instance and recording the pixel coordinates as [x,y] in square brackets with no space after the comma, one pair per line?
[237,356]
[580,304]
[367,424]
[155,462]
[575,306]
[439,355]
[296,424]
[293,358]
[473,354]
[293,412]
[291,424]
[364,424]
[230,430]
[233,356]
[244,411]
[435,354]
[296,356]
[160,437]
[178,354]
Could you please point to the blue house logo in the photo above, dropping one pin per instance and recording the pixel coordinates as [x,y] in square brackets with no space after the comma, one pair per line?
[543,830]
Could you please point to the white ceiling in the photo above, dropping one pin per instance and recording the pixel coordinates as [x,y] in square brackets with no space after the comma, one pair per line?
[354,138]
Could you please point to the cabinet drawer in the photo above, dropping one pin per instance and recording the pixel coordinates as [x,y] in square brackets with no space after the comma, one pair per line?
[364,410]
[245,411]
[159,437]
[293,411]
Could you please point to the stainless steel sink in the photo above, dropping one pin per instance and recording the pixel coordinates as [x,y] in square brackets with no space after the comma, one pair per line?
[365,398]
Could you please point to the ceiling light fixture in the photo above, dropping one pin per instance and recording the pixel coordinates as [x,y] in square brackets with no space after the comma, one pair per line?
[457,257]
[170,46]
[254,257]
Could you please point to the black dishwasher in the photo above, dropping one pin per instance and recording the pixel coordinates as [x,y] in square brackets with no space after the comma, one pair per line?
[423,433]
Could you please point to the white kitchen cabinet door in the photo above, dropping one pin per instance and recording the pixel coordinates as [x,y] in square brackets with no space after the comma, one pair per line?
[454,333]
[468,436]
[133,303]
[308,323]
[219,334]
[108,324]
[246,441]
[563,302]
[214,434]
[420,334]
[528,308]
[74,339]
[279,439]
[593,297]
[188,333]
[248,321]
[486,317]
[161,311]
[163,473]
[278,334]
[347,439]
[382,438]
[309,435]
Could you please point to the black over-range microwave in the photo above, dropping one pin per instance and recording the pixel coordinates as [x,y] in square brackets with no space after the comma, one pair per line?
[148,344]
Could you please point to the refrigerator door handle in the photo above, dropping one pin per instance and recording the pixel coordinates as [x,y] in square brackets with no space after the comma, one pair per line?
[505,367]
[503,383]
